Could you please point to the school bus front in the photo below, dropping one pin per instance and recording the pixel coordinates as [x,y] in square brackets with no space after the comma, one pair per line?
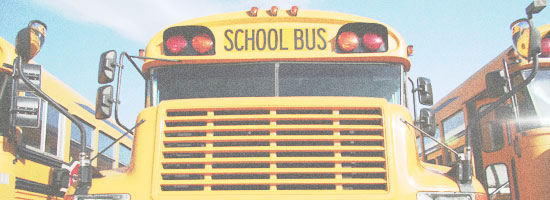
[268,105]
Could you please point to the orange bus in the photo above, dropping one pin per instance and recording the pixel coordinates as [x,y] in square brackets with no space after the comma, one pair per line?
[511,147]
[271,104]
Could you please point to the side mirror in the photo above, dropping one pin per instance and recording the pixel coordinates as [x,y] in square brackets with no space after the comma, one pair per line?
[30,39]
[427,121]
[496,84]
[526,38]
[107,63]
[104,102]
[27,111]
[33,73]
[425,95]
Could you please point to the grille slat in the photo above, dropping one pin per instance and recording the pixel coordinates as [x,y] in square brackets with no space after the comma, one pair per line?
[275,149]
[273,128]
[290,148]
[276,171]
[275,138]
[273,182]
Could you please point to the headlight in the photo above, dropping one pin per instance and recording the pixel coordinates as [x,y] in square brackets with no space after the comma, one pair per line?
[444,196]
[103,197]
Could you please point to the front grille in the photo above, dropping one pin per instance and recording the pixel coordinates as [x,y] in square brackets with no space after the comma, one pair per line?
[269,149]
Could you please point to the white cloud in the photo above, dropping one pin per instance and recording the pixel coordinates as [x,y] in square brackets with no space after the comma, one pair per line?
[139,20]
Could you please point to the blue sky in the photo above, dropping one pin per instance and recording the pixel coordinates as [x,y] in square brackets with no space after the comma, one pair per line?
[452,39]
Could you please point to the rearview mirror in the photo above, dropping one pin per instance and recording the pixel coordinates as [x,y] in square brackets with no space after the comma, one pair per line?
[30,39]
[427,121]
[107,63]
[496,84]
[104,102]
[425,95]
[27,111]
[526,38]
[33,73]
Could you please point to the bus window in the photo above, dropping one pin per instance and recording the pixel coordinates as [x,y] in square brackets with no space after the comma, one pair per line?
[431,145]
[106,159]
[124,155]
[419,146]
[492,134]
[294,79]
[52,130]
[48,136]
[497,175]
[75,139]
[453,127]
[533,102]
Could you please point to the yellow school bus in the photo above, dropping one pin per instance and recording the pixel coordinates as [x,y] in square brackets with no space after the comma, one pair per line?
[272,104]
[512,145]
[29,156]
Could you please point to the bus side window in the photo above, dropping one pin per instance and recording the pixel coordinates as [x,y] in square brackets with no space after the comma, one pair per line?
[75,139]
[492,132]
[124,154]
[48,137]
[453,129]
[106,159]
[497,175]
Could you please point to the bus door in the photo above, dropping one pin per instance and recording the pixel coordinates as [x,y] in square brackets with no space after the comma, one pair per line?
[497,153]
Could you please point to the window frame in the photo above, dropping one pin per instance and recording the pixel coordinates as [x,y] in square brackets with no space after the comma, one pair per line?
[61,132]
[460,129]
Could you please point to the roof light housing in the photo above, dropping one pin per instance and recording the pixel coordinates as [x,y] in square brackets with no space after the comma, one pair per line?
[372,37]
[188,41]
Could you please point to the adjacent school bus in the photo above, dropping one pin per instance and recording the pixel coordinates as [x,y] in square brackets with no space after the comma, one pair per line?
[271,104]
[28,157]
[512,146]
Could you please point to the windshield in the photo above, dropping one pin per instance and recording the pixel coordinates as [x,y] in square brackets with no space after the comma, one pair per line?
[535,102]
[278,79]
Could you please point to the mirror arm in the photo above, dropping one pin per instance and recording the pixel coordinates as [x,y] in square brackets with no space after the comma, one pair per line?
[413,90]
[429,136]
[498,189]
[117,97]
[118,139]
[509,81]
[133,63]
[83,157]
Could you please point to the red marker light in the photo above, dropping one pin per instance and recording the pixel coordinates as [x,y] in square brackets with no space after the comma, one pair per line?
[545,47]
[176,44]
[294,11]
[410,50]
[372,42]
[274,10]
[202,43]
[254,11]
[348,41]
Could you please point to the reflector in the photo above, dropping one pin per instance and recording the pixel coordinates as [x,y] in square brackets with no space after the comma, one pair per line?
[348,41]
[202,43]
[545,47]
[372,42]
[176,44]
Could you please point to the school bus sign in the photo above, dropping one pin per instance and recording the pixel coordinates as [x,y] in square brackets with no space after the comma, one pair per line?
[275,39]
